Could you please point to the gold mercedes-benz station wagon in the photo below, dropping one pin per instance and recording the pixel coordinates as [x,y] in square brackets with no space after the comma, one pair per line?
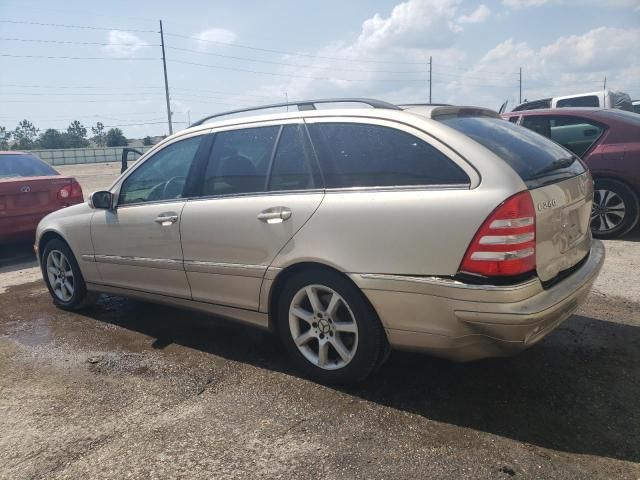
[348,231]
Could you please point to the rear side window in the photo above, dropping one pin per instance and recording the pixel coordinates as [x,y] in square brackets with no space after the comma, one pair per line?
[535,158]
[362,155]
[586,101]
[291,169]
[239,161]
[24,166]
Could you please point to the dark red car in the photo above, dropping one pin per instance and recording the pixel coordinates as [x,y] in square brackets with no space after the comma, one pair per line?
[29,190]
[608,141]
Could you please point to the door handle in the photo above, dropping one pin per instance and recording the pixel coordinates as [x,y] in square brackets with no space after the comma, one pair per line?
[275,215]
[166,220]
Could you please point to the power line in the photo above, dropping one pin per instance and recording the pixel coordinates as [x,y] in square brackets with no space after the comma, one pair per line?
[85,27]
[54,57]
[270,62]
[69,42]
[236,69]
[283,52]
[73,87]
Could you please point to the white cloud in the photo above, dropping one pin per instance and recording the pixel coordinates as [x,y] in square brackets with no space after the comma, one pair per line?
[524,3]
[518,4]
[479,15]
[123,44]
[572,64]
[208,38]
[416,29]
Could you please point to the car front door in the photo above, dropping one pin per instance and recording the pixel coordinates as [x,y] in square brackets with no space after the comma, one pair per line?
[258,189]
[137,243]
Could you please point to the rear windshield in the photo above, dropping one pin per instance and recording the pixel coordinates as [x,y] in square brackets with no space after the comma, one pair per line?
[24,166]
[536,159]
[621,115]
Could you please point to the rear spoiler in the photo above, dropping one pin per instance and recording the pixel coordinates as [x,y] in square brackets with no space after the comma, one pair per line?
[440,112]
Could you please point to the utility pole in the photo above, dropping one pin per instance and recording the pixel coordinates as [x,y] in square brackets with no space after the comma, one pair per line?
[166,82]
[604,87]
[430,77]
[189,117]
[520,96]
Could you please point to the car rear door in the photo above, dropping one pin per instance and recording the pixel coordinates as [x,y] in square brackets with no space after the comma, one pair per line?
[258,189]
[137,244]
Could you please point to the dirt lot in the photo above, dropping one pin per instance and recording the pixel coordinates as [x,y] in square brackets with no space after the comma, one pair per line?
[127,389]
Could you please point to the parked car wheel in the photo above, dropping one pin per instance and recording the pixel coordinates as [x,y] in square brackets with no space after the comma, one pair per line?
[330,331]
[615,209]
[63,277]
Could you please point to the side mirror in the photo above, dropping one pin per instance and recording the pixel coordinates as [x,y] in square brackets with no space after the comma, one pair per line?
[102,199]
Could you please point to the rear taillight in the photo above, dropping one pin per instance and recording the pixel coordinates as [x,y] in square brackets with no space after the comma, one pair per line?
[505,244]
[70,192]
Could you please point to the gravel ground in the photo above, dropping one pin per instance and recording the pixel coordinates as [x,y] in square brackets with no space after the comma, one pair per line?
[128,389]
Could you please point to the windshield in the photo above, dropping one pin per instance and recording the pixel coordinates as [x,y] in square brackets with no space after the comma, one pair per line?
[535,158]
[24,166]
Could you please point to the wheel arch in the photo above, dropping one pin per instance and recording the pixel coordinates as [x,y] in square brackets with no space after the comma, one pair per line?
[46,237]
[605,175]
[281,279]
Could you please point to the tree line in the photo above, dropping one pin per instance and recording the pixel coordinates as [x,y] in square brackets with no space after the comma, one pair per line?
[27,137]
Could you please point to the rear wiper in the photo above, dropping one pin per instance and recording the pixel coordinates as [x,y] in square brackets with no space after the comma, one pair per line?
[556,165]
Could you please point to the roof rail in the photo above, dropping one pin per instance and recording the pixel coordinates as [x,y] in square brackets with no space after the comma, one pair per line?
[424,105]
[302,106]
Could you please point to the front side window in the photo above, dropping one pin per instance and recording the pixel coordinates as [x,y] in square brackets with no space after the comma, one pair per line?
[163,176]
[362,155]
[239,161]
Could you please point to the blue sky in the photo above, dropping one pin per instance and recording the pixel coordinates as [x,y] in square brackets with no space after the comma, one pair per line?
[301,49]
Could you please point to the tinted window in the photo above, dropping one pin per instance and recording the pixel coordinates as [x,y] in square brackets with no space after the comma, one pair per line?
[239,161]
[360,155]
[588,101]
[536,159]
[513,119]
[575,134]
[161,177]
[24,166]
[291,168]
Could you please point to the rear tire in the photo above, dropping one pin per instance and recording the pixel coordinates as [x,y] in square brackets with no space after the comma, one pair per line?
[330,331]
[63,277]
[615,209]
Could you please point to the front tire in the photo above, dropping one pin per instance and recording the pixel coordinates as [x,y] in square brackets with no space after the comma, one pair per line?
[63,277]
[615,209]
[329,329]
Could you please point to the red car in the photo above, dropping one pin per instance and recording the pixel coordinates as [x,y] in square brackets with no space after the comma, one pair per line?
[29,190]
[608,141]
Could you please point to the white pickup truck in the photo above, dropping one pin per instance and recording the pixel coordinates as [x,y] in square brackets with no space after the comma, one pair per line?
[602,99]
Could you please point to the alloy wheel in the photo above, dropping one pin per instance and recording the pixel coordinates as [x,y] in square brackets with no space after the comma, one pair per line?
[323,327]
[60,275]
[608,210]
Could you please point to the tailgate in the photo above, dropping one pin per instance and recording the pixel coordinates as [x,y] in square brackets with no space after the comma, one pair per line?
[563,215]
[31,195]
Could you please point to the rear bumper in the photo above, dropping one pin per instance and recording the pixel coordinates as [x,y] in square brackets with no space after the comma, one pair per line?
[20,227]
[466,322]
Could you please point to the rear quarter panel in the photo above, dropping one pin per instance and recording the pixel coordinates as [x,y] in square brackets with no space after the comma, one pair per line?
[404,232]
